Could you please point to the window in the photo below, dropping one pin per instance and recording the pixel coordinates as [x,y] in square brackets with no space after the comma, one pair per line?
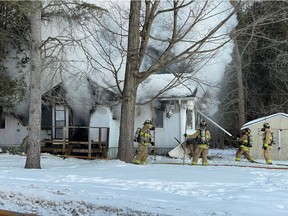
[159,118]
[2,119]
[46,120]
[189,119]
[60,121]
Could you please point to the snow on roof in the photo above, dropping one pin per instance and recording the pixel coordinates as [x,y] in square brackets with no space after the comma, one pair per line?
[157,82]
[264,119]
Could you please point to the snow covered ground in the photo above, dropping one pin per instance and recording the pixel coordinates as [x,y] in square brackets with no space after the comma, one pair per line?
[111,187]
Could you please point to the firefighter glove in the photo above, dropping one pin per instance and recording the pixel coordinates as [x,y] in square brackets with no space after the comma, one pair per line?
[185,135]
[152,143]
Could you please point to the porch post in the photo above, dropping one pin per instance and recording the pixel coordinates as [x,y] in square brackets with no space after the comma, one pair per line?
[64,139]
[89,142]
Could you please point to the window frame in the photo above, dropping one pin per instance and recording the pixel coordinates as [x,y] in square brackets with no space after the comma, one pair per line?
[59,123]
[157,115]
[3,120]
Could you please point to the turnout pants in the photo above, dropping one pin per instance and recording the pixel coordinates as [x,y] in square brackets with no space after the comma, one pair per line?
[201,149]
[267,155]
[142,154]
[243,151]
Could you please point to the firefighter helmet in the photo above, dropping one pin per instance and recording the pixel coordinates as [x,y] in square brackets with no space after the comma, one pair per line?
[203,123]
[147,122]
[266,125]
[246,131]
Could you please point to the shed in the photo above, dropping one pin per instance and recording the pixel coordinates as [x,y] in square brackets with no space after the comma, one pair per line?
[279,127]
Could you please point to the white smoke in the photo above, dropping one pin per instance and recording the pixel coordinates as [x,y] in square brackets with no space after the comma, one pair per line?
[208,70]
[72,68]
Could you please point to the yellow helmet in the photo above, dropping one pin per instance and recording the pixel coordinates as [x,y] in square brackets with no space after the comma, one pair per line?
[246,131]
[147,122]
[265,125]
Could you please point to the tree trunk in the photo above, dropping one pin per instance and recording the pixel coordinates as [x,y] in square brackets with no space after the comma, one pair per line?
[241,108]
[131,83]
[126,143]
[34,133]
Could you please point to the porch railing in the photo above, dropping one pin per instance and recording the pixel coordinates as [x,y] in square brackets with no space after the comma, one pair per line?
[94,141]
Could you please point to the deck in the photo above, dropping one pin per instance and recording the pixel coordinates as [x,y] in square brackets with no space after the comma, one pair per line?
[90,148]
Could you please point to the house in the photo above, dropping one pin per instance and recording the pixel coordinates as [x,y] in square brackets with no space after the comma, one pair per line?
[96,133]
[12,130]
[279,127]
[61,127]
[172,117]
[70,130]
[169,115]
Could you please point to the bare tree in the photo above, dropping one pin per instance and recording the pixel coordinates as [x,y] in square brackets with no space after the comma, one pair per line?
[181,44]
[138,38]
[54,53]
[178,41]
[34,137]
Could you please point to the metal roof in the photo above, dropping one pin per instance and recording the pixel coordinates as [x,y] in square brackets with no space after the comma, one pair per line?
[264,119]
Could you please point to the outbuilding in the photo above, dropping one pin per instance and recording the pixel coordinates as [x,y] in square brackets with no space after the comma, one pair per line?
[279,127]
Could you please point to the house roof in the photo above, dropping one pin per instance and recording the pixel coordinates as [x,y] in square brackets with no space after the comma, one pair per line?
[56,94]
[167,85]
[264,119]
[191,97]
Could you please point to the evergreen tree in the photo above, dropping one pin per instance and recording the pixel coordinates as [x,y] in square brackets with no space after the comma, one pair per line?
[14,27]
[262,39]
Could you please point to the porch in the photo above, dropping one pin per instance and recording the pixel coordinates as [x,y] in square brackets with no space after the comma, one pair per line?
[90,143]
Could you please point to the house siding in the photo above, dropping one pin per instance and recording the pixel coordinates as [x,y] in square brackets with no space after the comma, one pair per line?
[14,132]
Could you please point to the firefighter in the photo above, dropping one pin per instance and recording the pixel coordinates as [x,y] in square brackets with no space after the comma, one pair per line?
[245,144]
[144,140]
[267,142]
[202,136]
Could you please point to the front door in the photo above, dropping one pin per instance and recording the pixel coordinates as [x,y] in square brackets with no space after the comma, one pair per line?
[60,121]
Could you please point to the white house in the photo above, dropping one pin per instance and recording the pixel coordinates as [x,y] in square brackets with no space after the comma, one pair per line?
[279,127]
[170,116]
[98,123]
[12,130]
[62,125]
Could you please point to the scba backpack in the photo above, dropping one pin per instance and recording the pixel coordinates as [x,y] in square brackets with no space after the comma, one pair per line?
[137,135]
[272,139]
